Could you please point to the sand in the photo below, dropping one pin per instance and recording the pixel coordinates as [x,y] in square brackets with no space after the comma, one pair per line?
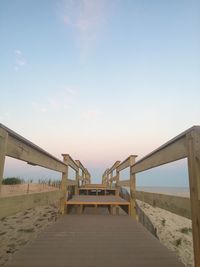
[19,229]
[173,231]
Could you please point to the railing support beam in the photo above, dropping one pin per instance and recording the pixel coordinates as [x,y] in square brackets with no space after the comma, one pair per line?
[77,183]
[193,146]
[3,149]
[132,189]
[64,190]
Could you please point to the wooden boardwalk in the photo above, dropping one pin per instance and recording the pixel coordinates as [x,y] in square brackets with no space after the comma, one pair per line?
[95,241]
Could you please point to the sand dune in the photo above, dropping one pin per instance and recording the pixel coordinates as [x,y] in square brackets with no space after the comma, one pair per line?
[173,231]
[19,229]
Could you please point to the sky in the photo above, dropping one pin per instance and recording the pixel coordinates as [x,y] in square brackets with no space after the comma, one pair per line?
[100,80]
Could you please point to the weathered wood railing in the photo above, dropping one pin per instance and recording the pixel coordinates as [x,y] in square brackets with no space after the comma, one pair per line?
[108,178]
[16,146]
[185,145]
[76,165]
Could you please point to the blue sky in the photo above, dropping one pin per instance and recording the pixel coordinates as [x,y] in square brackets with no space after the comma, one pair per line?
[99,79]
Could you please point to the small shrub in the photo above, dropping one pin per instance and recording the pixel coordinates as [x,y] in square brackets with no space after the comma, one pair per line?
[3,233]
[12,180]
[178,242]
[186,230]
[29,230]
[163,222]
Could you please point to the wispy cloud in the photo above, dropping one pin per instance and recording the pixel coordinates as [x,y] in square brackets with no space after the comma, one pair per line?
[90,115]
[86,18]
[61,100]
[19,59]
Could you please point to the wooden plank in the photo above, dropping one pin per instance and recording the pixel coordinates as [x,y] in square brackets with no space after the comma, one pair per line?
[23,140]
[193,146]
[96,188]
[80,165]
[33,155]
[113,178]
[3,148]
[117,177]
[124,183]
[13,204]
[71,182]
[105,179]
[97,241]
[126,163]
[106,200]
[106,172]
[87,177]
[64,190]
[69,161]
[132,194]
[165,154]
[114,166]
[96,203]
[175,204]
[110,176]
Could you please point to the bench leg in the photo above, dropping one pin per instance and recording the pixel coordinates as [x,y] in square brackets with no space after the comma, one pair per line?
[66,209]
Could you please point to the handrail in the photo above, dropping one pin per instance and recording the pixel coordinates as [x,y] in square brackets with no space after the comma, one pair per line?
[85,178]
[27,142]
[118,166]
[70,162]
[80,165]
[18,147]
[126,163]
[115,165]
[185,145]
[171,141]
[169,152]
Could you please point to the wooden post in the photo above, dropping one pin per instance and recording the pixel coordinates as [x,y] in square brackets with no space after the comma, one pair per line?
[3,148]
[64,190]
[117,182]
[64,186]
[107,180]
[83,177]
[132,189]
[111,176]
[193,146]
[77,183]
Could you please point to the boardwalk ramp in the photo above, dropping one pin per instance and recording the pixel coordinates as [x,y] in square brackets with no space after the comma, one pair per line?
[95,241]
